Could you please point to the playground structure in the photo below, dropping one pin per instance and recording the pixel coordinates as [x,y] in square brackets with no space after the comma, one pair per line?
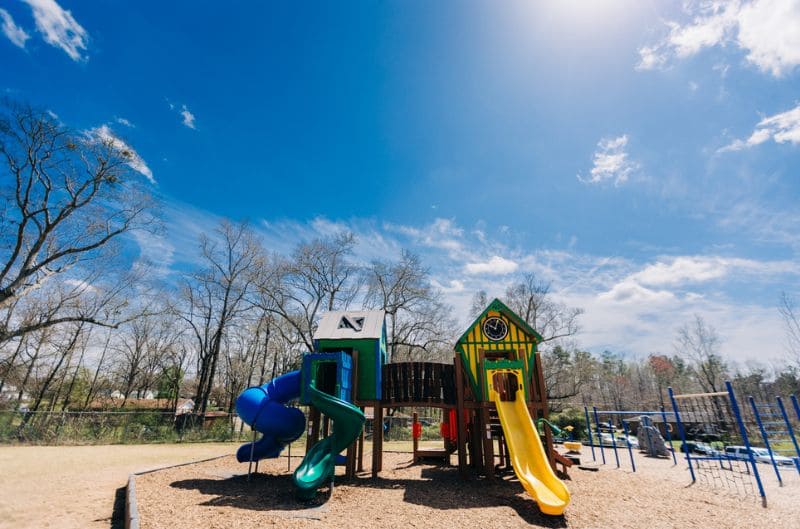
[714,435]
[491,399]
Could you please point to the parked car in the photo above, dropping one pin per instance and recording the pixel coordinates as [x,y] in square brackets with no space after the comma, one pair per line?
[605,439]
[629,440]
[696,447]
[606,427]
[760,454]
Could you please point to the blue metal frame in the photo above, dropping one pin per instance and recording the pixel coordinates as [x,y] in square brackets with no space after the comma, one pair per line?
[681,431]
[765,437]
[599,437]
[630,450]
[589,431]
[790,431]
[743,431]
[669,436]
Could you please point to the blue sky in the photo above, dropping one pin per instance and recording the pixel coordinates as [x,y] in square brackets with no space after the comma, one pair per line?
[643,156]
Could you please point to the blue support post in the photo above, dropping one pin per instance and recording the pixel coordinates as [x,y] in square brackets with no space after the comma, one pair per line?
[743,431]
[630,450]
[599,434]
[669,435]
[790,430]
[765,437]
[614,442]
[589,431]
[681,431]
[796,407]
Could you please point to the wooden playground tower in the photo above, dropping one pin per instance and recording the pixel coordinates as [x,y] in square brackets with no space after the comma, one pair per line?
[497,341]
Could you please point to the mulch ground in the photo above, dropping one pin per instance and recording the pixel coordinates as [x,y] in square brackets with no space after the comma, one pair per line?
[217,494]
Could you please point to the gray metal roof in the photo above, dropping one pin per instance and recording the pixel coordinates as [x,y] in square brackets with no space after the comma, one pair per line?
[350,325]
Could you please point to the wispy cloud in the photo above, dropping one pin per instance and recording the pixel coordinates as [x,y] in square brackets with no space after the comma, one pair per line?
[188,117]
[780,128]
[496,265]
[767,30]
[15,34]
[611,162]
[123,121]
[631,306]
[105,134]
[59,28]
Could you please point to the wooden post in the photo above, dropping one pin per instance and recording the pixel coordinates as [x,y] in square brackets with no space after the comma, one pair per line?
[360,467]
[542,395]
[460,426]
[313,434]
[414,438]
[488,444]
[377,440]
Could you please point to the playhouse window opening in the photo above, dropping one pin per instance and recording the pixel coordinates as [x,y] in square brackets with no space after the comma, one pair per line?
[506,384]
[326,377]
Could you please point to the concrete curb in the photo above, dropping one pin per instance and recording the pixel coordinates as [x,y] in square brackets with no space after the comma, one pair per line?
[131,507]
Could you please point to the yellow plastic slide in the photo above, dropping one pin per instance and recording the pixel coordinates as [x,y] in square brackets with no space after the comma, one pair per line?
[529,458]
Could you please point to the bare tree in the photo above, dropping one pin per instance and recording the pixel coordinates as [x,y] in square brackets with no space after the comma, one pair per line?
[479,302]
[791,318]
[218,294]
[319,276]
[532,301]
[700,343]
[66,198]
[418,322]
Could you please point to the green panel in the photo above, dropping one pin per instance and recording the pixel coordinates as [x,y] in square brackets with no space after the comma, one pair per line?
[503,364]
[365,349]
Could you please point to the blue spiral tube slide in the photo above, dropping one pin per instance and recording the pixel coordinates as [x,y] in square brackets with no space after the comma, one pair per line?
[264,409]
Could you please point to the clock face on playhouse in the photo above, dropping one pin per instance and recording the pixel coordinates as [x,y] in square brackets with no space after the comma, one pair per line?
[495,328]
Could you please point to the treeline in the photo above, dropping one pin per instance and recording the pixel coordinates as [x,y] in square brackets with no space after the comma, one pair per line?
[618,382]
[85,322]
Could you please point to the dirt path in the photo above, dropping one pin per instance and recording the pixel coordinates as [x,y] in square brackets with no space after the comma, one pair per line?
[75,486]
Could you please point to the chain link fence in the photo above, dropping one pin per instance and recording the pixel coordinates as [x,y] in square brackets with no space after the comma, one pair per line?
[117,427]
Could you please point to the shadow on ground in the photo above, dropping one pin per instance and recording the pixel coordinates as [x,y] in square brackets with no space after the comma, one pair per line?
[264,492]
[118,514]
[276,493]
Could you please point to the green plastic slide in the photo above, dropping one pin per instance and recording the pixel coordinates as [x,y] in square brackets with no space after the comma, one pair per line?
[318,465]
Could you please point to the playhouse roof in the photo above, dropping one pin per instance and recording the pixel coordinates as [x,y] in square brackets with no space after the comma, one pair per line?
[499,306]
[351,325]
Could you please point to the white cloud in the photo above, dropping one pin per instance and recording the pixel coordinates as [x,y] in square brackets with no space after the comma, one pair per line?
[188,117]
[611,162]
[442,234]
[496,265]
[15,34]
[629,291]
[681,270]
[767,30]
[123,121]
[105,134]
[780,128]
[59,28]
